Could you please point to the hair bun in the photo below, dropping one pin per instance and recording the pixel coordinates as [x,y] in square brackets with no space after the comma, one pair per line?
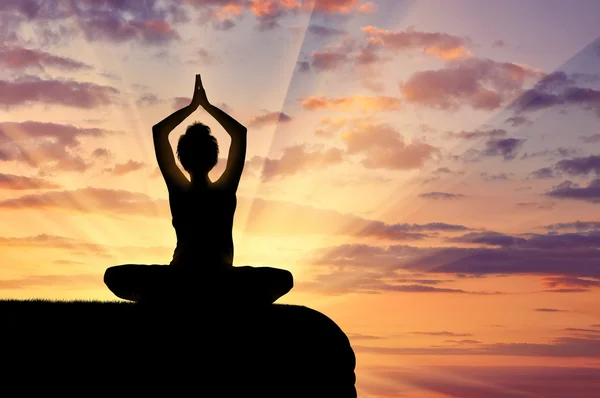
[198,128]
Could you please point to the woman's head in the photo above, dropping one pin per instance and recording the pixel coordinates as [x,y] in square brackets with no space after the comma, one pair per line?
[197,149]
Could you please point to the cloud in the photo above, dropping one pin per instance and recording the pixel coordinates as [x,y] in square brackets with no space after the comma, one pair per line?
[464,341]
[537,241]
[579,166]
[118,30]
[328,126]
[444,333]
[66,134]
[516,121]
[13,56]
[116,21]
[490,238]
[268,12]
[273,218]
[383,230]
[324,31]
[53,242]
[571,190]
[558,152]
[303,66]
[549,310]
[562,347]
[546,255]
[507,147]
[180,102]
[539,205]
[569,282]
[469,135]
[352,103]
[580,226]
[203,57]
[474,82]
[383,147]
[440,195]
[371,282]
[121,169]
[29,282]
[543,173]
[328,60]
[440,45]
[147,99]
[91,200]
[495,177]
[269,118]
[379,47]
[28,90]
[482,381]
[332,6]
[591,139]
[15,182]
[358,336]
[367,8]
[332,57]
[298,158]
[49,145]
[101,153]
[557,89]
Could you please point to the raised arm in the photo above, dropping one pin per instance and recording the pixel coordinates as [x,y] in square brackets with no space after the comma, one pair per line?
[172,174]
[237,150]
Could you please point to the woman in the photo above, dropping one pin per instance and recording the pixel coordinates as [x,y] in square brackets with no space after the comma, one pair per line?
[202,212]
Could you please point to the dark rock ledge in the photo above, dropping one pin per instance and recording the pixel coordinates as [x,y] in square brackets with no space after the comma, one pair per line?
[112,349]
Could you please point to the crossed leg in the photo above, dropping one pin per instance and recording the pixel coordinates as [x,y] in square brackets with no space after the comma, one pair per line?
[244,285]
[135,281]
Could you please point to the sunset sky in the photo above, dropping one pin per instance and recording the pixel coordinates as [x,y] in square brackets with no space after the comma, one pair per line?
[429,171]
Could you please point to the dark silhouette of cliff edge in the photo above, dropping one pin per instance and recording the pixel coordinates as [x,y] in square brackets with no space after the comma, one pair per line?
[116,349]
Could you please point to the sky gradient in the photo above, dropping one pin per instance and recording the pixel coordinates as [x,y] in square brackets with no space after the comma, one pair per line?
[429,171]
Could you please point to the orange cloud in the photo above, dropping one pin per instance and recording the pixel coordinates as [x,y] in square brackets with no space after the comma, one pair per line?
[51,280]
[52,241]
[15,182]
[332,6]
[475,82]
[352,103]
[383,147]
[125,168]
[366,8]
[440,45]
[269,118]
[92,200]
[297,158]
[262,8]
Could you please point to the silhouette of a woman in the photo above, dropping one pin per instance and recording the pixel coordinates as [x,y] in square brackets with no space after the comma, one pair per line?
[202,211]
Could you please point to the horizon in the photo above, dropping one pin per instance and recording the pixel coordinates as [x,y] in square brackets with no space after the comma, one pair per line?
[429,173]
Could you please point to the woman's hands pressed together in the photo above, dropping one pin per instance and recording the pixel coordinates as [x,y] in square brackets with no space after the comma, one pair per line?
[199,98]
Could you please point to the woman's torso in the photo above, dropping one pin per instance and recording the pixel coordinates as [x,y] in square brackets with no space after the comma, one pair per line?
[203,222]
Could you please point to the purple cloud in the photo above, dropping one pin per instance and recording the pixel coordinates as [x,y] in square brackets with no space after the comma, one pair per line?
[571,190]
[557,89]
[440,195]
[16,57]
[29,90]
[507,148]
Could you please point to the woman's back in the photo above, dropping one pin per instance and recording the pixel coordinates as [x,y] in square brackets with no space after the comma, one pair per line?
[203,222]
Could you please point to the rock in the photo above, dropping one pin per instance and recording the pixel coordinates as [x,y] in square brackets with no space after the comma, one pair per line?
[85,348]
